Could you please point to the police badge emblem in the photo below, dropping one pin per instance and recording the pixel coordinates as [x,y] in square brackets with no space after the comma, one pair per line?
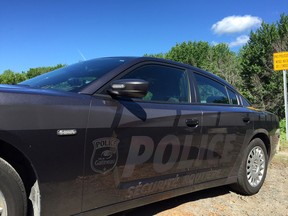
[105,154]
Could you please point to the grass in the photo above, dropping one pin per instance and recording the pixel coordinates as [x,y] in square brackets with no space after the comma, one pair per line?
[283,141]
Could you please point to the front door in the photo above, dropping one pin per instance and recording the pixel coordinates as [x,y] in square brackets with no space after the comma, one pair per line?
[141,147]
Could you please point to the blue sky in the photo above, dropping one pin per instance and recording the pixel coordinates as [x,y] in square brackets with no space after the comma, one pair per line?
[35,33]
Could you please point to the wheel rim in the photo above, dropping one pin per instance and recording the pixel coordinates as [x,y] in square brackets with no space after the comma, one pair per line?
[3,206]
[255,167]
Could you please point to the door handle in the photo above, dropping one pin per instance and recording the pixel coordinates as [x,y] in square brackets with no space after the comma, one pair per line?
[192,122]
[246,119]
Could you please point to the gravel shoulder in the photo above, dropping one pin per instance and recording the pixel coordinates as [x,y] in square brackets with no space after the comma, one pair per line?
[272,199]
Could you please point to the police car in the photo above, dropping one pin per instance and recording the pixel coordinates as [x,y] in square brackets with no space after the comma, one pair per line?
[110,134]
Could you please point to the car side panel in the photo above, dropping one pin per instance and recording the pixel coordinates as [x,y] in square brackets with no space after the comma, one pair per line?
[57,160]
[155,150]
[225,135]
[267,124]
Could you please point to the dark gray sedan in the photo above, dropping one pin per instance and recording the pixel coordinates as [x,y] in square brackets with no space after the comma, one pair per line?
[110,134]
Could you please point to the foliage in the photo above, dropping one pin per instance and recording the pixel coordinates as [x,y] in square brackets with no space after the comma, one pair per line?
[193,53]
[32,72]
[282,124]
[225,64]
[283,141]
[218,59]
[10,77]
[159,55]
[261,84]
[251,71]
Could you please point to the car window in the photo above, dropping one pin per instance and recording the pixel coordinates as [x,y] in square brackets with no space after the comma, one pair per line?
[166,84]
[245,102]
[75,77]
[211,91]
[232,97]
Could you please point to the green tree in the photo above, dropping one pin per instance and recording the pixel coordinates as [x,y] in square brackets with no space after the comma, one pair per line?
[9,77]
[193,53]
[159,55]
[261,84]
[218,59]
[281,44]
[226,64]
[32,72]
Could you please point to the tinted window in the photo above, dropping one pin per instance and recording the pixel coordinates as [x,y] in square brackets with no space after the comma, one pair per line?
[232,97]
[211,91]
[75,77]
[245,102]
[165,83]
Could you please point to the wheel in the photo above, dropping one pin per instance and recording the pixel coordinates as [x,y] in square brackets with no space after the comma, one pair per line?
[13,200]
[253,168]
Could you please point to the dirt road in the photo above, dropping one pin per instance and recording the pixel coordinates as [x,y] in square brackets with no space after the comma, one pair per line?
[271,200]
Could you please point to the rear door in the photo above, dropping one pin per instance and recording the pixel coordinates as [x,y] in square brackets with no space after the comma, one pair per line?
[139,147]
[227,128]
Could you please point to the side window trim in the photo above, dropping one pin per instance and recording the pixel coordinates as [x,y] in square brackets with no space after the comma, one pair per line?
[192,86]
[236,94]
[243,101]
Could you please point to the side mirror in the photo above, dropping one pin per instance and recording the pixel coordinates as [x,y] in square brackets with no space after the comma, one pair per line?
[131,88]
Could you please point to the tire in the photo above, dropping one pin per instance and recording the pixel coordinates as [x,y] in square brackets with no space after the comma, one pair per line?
[253,168]
[12,191]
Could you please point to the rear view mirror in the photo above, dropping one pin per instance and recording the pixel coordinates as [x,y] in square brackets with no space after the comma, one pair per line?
[132,88]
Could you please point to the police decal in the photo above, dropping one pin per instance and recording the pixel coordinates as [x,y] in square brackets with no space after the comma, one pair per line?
[105,154]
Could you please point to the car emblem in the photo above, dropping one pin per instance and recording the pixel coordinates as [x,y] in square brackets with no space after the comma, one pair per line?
[105,154]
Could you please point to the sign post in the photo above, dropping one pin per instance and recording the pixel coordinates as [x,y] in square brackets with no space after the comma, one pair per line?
[281,63]
[285,100]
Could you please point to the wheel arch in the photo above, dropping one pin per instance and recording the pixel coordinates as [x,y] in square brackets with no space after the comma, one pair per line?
[263,135]
[20,163]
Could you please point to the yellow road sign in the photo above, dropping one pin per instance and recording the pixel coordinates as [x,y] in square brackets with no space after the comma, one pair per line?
[280,61]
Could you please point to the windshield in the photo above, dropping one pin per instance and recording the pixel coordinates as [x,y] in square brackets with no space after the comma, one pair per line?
[75,77]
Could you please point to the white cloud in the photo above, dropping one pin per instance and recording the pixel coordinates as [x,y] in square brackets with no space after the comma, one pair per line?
[214,43]
[240,41]
[236,24]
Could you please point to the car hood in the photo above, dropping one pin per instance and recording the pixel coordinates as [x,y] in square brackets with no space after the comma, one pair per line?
[23,89]
[7,86]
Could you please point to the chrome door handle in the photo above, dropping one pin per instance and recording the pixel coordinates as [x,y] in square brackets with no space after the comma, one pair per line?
[246,119]
[192,122]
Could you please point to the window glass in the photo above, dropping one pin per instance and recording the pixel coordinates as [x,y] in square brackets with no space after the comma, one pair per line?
[232,97]
[245,102]
[165,83]
[75,77]
[211,91]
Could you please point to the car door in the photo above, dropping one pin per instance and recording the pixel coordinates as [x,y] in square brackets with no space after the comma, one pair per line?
[227,128]
[139,147]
